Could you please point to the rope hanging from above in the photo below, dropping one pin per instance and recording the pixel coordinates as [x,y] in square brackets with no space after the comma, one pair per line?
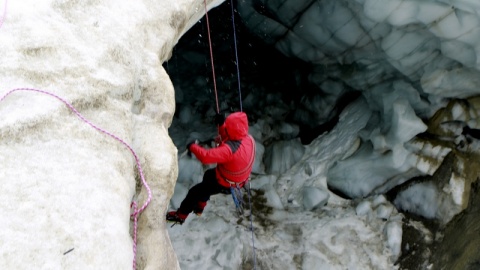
[211,56]
[241,109]
[236,56]
[237,64]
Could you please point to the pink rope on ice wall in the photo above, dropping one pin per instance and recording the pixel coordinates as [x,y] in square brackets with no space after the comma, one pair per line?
[2,19]
[136,212]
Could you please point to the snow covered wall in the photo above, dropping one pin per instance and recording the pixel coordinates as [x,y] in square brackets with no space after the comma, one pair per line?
[67,188]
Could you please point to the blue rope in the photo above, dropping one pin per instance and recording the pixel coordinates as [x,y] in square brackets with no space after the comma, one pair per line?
[234,196]
[241,109]
[236,56]
[251,226]
[237,192]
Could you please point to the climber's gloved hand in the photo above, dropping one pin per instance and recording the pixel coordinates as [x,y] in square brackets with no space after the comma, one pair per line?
[189,153]
[217,140]
[219,119]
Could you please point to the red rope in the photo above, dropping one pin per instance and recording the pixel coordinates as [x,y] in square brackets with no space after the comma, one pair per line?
[211,56]
[136,211]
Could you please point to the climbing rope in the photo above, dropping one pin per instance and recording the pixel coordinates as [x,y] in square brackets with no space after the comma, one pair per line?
[2,19]
[136,212]
[236,193]
[236,56]
[237,64]
[237,196]
[251,225]
[211,56]
[241,109]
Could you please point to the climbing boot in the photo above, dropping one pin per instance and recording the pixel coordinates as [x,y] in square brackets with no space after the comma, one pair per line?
[176,217]
[198,209]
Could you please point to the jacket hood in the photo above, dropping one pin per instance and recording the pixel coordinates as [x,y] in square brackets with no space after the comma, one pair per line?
[236,125]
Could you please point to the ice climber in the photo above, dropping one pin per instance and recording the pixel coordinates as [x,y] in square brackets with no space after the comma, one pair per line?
[234,156]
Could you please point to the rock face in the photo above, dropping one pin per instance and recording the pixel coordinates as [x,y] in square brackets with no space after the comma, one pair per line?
[67,187]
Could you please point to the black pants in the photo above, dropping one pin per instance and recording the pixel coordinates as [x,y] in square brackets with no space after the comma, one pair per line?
[201,192]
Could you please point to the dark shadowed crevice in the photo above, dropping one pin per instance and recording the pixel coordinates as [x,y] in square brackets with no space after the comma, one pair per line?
[308,133]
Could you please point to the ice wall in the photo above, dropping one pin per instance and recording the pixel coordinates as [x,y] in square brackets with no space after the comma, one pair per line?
[406,57]
[67,188]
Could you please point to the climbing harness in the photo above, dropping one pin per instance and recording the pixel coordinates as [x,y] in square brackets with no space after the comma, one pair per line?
[136,212]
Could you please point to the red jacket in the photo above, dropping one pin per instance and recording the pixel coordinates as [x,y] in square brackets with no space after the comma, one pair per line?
[235,155]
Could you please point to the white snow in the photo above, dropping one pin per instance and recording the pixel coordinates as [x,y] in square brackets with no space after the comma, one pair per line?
[422,199]
[393,233]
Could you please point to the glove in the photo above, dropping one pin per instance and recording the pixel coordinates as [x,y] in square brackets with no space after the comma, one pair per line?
[188,147]
[219,119]
[218,140]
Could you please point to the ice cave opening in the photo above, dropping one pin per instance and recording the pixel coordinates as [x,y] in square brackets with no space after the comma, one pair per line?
[350,109]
